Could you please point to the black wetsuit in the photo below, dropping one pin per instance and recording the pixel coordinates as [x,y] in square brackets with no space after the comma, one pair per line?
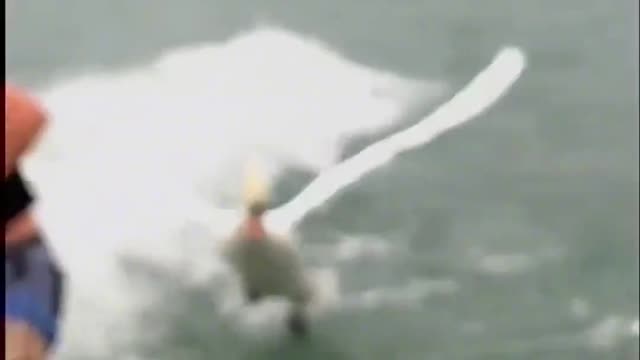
[33,281]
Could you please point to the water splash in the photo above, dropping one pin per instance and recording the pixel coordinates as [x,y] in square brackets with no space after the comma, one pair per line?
[123,166]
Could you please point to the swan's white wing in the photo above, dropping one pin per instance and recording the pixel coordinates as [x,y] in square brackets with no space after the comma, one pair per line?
[483,91]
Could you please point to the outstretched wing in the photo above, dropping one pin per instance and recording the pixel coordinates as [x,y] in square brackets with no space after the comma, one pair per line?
[482,92]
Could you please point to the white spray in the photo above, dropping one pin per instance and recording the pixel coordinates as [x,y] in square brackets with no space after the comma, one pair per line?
[129,155]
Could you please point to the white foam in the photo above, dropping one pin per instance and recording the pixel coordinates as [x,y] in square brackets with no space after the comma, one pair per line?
[580,308]
[609,331]
[354,247]
[129,155]
[411,294]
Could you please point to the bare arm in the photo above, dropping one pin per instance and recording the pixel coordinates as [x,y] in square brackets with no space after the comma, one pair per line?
[23,122]
[20,228]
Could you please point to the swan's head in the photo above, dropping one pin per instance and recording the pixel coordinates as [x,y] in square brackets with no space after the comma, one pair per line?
[257,190]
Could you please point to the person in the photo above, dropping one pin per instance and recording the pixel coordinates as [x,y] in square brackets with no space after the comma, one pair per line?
[33,280]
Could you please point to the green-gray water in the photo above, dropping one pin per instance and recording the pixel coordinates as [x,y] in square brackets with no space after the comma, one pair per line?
[546,180]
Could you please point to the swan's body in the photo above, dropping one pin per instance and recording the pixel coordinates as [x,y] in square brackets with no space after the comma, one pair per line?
[270,264]
[267,264]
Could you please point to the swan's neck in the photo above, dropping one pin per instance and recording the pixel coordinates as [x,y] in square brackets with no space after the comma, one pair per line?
[254,228]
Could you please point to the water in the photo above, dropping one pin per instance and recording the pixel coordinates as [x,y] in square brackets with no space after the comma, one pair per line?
[513,237]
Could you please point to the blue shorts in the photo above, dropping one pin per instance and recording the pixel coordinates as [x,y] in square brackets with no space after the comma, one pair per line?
[33,289]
